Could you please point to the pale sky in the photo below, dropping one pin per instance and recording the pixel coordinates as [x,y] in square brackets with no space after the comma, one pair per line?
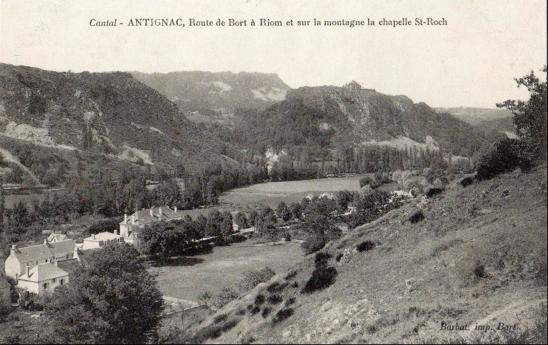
[470,62]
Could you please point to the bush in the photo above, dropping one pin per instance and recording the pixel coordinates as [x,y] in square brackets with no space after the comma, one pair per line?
[322,277]
[283,314]
[275,299]
[321,259]
[290,301]
[209,332]
[255,277]
[506,155]
[368,181]
[265,312]
[313,243]
[224,297]
[230,324]
[220,318]
[365,246]
[259,299]
[276,287]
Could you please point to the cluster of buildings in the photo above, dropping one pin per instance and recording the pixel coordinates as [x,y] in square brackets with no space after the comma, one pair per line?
[43,267]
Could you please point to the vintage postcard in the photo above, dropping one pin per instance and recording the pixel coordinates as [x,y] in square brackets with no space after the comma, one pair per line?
[273,171]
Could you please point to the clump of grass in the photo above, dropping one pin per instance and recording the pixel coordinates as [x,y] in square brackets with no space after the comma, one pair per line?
[274,299]
[282,315]
[254,310]
[295,285]
[365,246]
[240,312]
[322,277]
[339,257]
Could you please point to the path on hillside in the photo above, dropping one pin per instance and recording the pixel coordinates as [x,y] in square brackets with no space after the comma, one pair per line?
[9,157]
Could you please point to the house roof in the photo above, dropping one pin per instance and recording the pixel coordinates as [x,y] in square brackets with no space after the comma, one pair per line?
[102,236]
[44,251]
[45,271]
[57,237]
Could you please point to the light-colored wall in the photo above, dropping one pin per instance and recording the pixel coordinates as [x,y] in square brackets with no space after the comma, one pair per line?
[38,287]
[90,245]
[13,267]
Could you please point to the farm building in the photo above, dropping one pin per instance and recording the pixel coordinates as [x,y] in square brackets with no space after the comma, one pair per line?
[100,240]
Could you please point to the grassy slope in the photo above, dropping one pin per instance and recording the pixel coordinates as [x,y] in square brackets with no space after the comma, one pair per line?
[369,302]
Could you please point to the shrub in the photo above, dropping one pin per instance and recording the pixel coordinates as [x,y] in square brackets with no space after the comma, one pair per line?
[254,310]
[365,246]
[368,181]
[322,277]
[313,243]
[208,332]
[290,301]
[416,216]
[259,299]
[224,297]
[220,318]
[230,324]
[275,299]
[276,287]
[265,312]
[321,259]
[506,155]
[282,315]
[255,277]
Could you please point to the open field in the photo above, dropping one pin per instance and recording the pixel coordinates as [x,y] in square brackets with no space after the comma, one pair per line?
[223,268]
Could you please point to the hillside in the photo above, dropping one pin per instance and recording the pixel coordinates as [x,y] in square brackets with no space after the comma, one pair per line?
[475,116]
[478,257]
[328,117]
[71,117]
[216,97]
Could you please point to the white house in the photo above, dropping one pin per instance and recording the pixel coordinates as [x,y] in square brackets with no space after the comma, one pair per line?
[44,277]
[101,239]
[137,221]
[19,258]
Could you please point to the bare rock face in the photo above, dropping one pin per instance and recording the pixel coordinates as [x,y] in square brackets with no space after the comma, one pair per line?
[216,97]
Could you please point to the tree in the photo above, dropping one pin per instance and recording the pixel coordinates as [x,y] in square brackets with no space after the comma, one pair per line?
[110,299]
[241,220]
[296,210]
[283,212]
[530,116]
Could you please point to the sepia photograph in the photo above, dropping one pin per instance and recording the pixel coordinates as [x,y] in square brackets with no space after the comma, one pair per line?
[273,172]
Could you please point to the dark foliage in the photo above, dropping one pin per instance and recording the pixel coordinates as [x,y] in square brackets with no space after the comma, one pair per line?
[321,259]
[259,299]
[416,216]
[365,246]
[266,311]
[283,314]
[506,155]
[274,299]
[322,277]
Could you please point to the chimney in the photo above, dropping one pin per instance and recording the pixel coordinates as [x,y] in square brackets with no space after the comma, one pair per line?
[132,219]
[76,255]
[28,270]
[115,232]
[45,241]
[13,249]
[175,209]
[160,210]
[93,236]
[125,218]
[152,211]
[56,263]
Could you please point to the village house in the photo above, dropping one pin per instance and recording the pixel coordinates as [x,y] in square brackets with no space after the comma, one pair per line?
[57,237]
[44,277]
[130,226]
[20,258]
[101,239]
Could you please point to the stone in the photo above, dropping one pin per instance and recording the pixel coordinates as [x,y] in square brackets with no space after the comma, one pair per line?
[466,181]
[416,216]
[432,191]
